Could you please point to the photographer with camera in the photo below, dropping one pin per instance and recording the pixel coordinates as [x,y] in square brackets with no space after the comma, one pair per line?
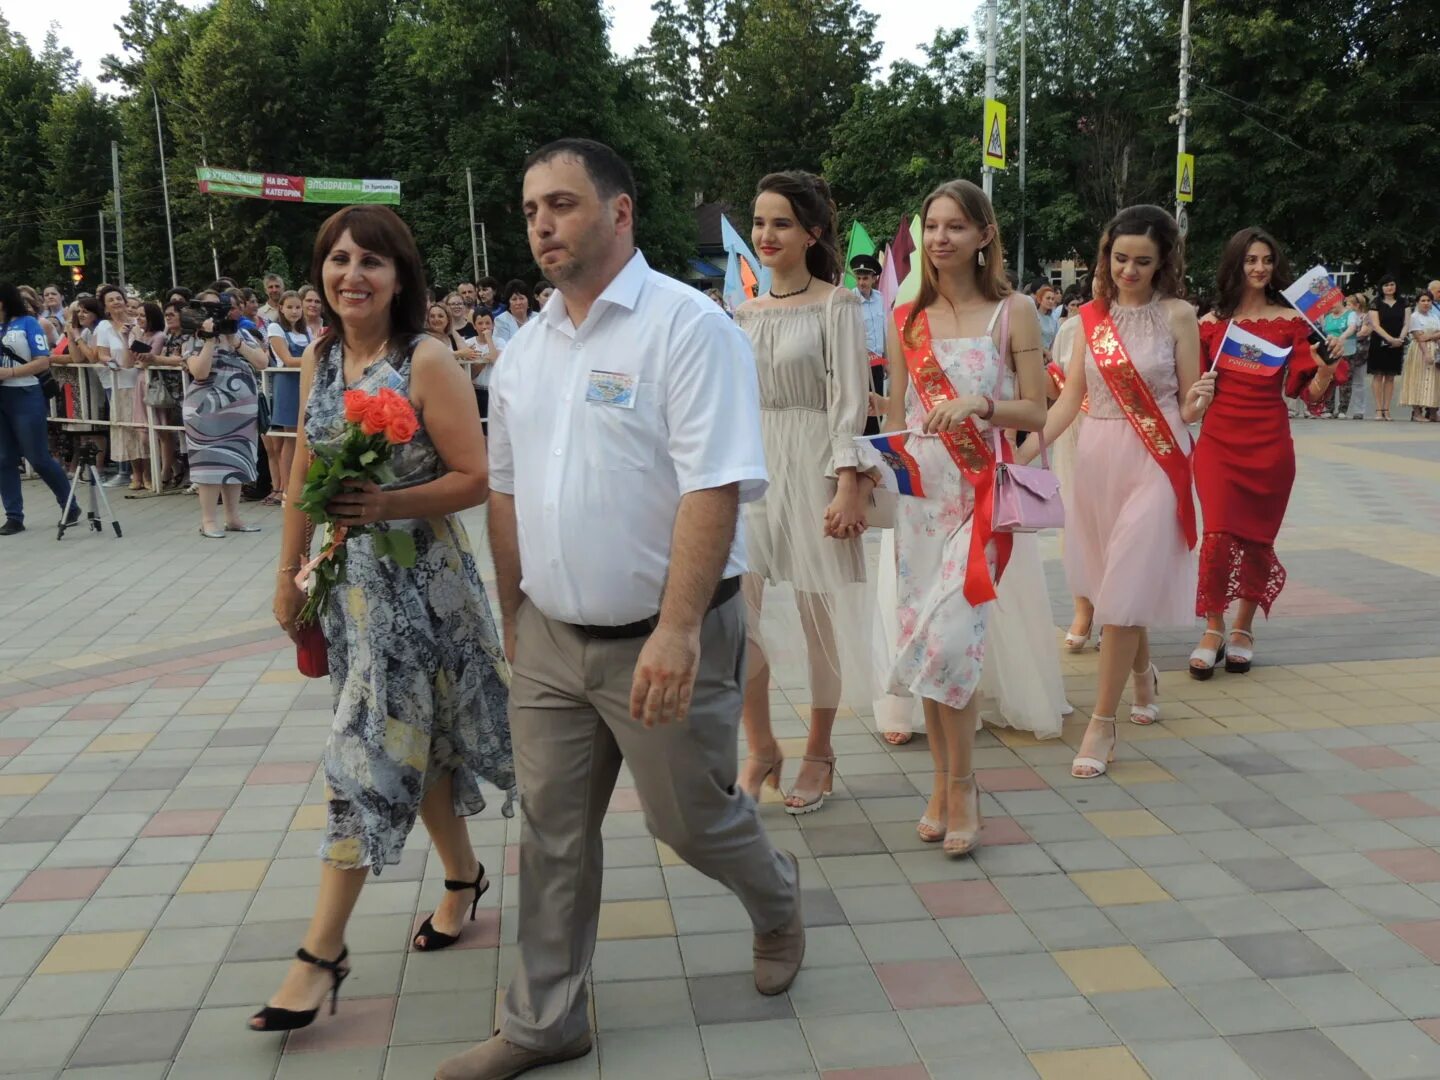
[222,410]
[24,356]
[128,444]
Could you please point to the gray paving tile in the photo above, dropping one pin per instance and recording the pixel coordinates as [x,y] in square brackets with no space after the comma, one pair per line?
[844,840]
[673,1051]
[1195,963]
[36,827]
[886,943]
[647,1003]
[1191,1059]
[1226,916]
[123,1039]
[1275,874]
[1282,954]
[1335,999]
[1073,928]
[1163,921]
[1040,892]
[1067,1023]
[43,997]
[1284,1054]
[1261,813]
[1079,855]
[1367,948]
[989,935]
[1028,976]
[1151,1014]
[1243,1007]
[36,1044]
[1388,1051]
[851,1042]
[347,1064]
[1317,909]
[637,959]
[762,1048]
[1193,881]
[180,987]
[430,1018]
[727,999]
[1415,991]
[838,991]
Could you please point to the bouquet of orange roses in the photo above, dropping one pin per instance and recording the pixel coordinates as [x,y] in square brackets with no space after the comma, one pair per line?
[374,425]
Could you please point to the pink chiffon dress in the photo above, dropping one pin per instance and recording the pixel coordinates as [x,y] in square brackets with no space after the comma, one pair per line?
[1124,548]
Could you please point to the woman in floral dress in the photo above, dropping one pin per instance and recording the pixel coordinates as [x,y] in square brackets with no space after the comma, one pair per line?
[415,662]
[945,569]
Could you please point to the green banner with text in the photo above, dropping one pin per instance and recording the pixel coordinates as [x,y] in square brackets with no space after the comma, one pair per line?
[278,187]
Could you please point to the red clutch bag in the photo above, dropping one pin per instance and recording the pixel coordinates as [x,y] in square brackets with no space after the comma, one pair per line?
[312,652]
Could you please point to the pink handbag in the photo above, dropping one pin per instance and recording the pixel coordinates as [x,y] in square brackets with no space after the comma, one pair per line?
[1027,499]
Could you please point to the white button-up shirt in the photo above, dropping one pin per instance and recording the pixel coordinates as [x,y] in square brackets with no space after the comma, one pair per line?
[597,485]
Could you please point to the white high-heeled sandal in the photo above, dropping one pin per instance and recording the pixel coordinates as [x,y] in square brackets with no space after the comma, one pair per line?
[1145,715]
[1208,658]
[1238,658]
[1100,767]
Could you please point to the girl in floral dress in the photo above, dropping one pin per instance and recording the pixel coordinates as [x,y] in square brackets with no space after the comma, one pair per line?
[945,570]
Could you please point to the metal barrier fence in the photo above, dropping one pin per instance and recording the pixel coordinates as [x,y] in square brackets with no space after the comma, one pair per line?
[92,417]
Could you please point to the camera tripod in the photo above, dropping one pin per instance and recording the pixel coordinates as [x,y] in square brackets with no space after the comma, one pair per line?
[87,472]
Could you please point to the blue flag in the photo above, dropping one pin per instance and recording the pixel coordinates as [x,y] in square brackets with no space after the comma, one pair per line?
[745,278]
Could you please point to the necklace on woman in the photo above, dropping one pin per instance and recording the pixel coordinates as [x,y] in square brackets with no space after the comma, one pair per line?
[786,295]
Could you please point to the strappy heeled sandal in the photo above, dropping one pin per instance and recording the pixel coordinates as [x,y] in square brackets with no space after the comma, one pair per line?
[427,938]
[809,806]
[1238,658]
[1208,658]
[275,1019]
[1099,767]
[959,843]
[1147,714]
[1076,642]
[770,776]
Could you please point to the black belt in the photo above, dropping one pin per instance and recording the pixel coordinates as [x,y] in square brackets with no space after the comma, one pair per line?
[727,588]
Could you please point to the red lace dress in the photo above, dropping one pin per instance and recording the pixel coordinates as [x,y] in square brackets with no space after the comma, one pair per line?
[1244,466]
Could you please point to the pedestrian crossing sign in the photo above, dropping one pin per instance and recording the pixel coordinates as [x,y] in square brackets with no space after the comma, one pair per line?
[72,252]
[1185,178]
[994,134]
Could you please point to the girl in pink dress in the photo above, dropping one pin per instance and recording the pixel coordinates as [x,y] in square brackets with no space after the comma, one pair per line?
[945,570]
[1129,511]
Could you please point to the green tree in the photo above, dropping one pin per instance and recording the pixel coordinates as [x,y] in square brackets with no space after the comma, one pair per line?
[28,84]
[76,135]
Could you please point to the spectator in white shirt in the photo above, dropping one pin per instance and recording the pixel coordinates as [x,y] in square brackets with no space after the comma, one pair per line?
[128,442]
[616,483]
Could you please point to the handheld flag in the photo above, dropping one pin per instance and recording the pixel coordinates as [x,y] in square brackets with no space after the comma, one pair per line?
[1313,294]
[910,283]
[901,249]
[1243,351]
[889,284]
[899,472]
[745,278]
[860,244]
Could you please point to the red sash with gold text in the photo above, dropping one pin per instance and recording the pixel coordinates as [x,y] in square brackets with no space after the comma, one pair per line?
[970,452]
[1138,404]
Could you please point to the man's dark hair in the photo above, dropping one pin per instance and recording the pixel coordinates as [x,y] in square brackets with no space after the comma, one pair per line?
[488,283]
[181,290]
[607,169]
[221,285]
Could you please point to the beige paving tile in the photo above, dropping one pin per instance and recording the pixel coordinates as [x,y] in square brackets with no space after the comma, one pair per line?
[1127,773]
[105,744]
[1111,887]
[1104,971]
[1128,823]
[636,919]
[308,817]
[1101,1063]
[24,783]
[92,952]
[232,875]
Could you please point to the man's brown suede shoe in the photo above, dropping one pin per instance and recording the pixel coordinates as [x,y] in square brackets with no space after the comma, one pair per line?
[778,954]
[498,1059]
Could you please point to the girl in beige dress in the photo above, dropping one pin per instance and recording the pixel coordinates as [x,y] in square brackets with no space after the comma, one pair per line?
[805,533]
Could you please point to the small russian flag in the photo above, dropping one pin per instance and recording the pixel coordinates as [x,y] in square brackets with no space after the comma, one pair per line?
[1313,294]
[899,471]
[1244,351]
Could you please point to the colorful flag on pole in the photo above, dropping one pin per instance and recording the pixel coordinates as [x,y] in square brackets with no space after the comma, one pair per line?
[860,244]
[899,471]
[889,284]
[745,278]
[910,283]
[1243,351]
[1313,294]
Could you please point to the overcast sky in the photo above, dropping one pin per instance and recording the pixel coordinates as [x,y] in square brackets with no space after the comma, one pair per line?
[87,26]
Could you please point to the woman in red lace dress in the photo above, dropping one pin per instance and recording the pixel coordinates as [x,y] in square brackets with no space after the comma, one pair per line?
[1244,460]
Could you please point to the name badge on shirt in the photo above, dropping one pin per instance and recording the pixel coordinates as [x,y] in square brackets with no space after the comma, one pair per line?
[611,388]
[382,376]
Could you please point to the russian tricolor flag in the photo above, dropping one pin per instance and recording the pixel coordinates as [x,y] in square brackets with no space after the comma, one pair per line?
[899,472]
[1243,351]
[1313,294]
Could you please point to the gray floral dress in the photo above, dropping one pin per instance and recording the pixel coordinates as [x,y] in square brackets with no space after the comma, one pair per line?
[417,670]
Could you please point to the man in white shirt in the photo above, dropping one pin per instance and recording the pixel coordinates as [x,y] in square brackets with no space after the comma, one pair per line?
[624,434]
[274,294]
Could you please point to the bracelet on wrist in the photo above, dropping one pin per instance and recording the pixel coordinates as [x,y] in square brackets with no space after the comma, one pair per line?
[989,407]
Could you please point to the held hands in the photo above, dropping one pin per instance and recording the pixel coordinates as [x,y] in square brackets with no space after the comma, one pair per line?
[664,675]
[878,405]
[1337,349]
[359,504]
[949,415]
[845,516]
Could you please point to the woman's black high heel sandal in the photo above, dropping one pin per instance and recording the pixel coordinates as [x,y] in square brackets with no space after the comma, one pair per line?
[273,1019]
[427,938]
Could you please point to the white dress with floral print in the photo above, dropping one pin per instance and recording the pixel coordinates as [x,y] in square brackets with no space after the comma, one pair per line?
[941,650]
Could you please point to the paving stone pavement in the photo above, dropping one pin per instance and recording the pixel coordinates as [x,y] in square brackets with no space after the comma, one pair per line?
[1252,892]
